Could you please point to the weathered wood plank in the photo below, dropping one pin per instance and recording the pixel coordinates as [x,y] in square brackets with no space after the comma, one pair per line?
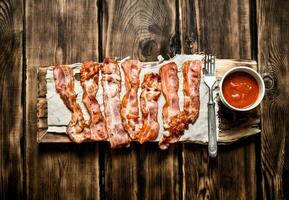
[11,104]
[223,28]
[59,32]
[232,125]
[140,29]
[273,29]
[158,172]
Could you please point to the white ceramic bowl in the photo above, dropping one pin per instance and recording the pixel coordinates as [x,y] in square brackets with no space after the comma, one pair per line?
[257,77]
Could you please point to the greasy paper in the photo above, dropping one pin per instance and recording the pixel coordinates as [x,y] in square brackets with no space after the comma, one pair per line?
[59,115]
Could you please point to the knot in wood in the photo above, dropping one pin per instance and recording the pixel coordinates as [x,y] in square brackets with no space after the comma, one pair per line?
[269,81]
[148,46]
[189,41]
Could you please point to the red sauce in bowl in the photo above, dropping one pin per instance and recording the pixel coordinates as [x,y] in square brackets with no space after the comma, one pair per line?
[240,89]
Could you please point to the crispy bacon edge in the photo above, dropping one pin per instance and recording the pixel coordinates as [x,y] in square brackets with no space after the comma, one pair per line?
[170,87]
[192,77]
[151,91]
[129,105]
[111,83]
[89,81]
[64,84]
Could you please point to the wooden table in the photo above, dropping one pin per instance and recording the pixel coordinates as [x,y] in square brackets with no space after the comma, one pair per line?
[37,33]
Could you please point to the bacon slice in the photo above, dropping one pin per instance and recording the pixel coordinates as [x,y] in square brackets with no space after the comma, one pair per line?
[111,83]
[151,91]
[64,84]
[129,104]
[89,82]
[192,78]
[170,86]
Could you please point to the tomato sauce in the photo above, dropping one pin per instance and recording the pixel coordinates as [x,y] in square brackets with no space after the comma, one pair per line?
[240,89]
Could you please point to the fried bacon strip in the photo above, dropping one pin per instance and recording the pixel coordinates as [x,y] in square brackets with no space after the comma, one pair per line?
[111,83]
[192,77]
[129,104]
[151,91]
[89,82]
[170,86]
[64,84]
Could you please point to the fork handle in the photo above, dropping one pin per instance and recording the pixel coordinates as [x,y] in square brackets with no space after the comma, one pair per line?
[212,146]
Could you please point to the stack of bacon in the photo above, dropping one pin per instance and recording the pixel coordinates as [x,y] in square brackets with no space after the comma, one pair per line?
[122,121]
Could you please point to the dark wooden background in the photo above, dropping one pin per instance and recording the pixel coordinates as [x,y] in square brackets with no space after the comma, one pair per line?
[35,33]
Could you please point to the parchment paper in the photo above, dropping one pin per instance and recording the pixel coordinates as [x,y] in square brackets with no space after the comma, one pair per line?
[59,115]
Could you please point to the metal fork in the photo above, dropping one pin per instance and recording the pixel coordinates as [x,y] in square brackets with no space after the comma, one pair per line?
[210,80]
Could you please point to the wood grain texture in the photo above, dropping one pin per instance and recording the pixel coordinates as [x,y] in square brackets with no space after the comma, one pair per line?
[59,32]
[140,29]
[158,172]
[223,28]
[145,171]
[11,105]
[143,30]
[67,31]
[273,30]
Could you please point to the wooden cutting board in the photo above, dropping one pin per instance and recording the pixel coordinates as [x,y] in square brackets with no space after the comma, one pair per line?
[232,125]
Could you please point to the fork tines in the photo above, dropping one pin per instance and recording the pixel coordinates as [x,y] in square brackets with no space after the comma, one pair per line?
[210,61]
